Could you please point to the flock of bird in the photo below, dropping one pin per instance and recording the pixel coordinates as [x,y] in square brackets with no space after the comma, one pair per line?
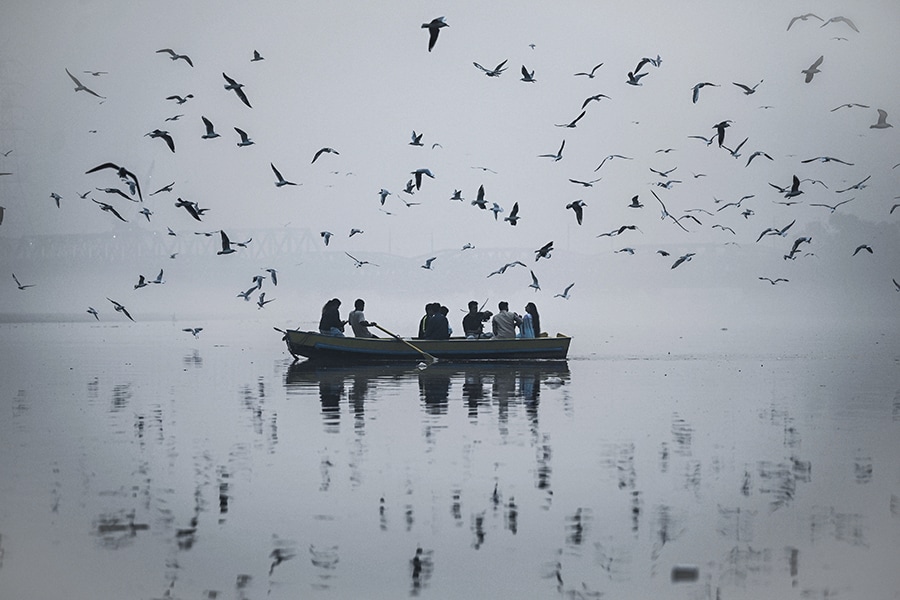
[130,190]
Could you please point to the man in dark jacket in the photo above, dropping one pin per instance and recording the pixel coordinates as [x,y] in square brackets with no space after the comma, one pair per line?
[437,326]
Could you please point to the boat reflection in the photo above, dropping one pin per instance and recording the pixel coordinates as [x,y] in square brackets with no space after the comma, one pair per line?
[475,385]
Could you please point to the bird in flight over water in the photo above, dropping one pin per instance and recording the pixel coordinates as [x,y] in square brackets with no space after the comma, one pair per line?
[434,28]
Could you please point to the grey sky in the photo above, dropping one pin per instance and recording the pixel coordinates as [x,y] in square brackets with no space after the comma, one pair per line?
[358,78]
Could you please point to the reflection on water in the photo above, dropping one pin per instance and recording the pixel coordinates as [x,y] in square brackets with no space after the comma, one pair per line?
[229,477]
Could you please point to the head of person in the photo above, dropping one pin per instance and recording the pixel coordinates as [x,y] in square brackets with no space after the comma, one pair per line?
[360,304]
[503,305]
[473,306]
[531,309]
[443,310]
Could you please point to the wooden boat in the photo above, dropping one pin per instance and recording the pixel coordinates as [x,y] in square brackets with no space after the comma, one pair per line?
[353,350]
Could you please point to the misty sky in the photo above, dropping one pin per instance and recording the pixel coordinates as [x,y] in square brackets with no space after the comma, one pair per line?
[358,78]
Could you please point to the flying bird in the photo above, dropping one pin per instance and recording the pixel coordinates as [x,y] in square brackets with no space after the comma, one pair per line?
[571,124]
[682,258]
[802,18]
[528,76]
[534,282]
[773,281]
[326,235]
[696,90]
[635,203]
[503,269]
[720,131]
[428,262]
[383,194]
[755,154]
[110,209]
[56,198]
[610,157]
[855,186]
[791,192]
[179,100]
[20,285]
[261,303]
[543,251]
[513,217]
[565,293]
[120,308]
[882,121]
[141,282]
[257,57]
[434,28]
[320,151]
[245,139]
[237,87]
[841,20]
[634,78]
[586,183]
[775,231]
[495,72]
[281,181]
[496,209]
[594,98]
[80,87]
[226,244]
[418,175]
[210,131]
[354,231]
[415,139]
[479,200]
[800,240]
[194,331]
[189,206]
[831,207]
[865,247]
[125,175]
[163,135]
[590,74]
[577,206]
[358,262]
[558,155]
[850,105]
[175,56]
[93,311]
[747,89]
[813,69]
[826,159]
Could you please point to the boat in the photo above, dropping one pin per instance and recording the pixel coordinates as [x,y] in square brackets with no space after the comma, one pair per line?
[353,350]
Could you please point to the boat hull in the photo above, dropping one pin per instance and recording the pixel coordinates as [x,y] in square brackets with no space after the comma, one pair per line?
[316,346]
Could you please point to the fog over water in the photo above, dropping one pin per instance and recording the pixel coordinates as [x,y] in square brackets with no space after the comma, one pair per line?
[734,414]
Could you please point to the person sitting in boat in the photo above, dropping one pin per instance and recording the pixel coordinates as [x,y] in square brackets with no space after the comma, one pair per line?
[423,322]
[473,322]
[358,322]
[437,326]
[531,322]
[331,323]
[504,322]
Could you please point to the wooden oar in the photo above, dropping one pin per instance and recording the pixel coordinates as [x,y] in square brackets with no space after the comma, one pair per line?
[431,359]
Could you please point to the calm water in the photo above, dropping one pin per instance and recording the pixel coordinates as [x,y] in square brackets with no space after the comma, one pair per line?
[139,462]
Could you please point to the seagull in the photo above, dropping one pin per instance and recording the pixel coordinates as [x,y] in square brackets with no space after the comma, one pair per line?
[457,195]
[558,155]
[668,184]
[120,308]
[590,74]
[896,284]
[696,90]
[495,72]
[257,57]
[326,235]
[245,139]
[663,173]
[755,154]
[813,69]
[164,135]
[56,198]
[93,311]
[793,191]
[682,258]
[428,262]
[159,278]
[773,281]
[610,157]
[662,253]
[410,187]
[115,191]
[665,213]
[586,183]
[358,262]
[593,98]
[775,231]
[747,89]
[20,285]
[723,227]
[890,212]
[503,269]
[720,131]
[826,159]
[841,20]
[246,295]
[189,207]
[434,28]
[354,231]
[865,247]
[513,217]
[226,244]
[736,152]
[797,242]
[383,194]
[855,186]
[635,203]
[634,78]
[830,206]
[146,212]
[528,76]
[141,282]
[565,293]
[578,207]
[109,208]
[124,174]
[627,250]
[79,87]
[179,100]
[165,188]
[850,105]
[234,85]
[210,132]
[468,246]
[803,18]
[261,303]
[194,331]
[882,121]
[416,139]
[543,251]
[479,201]
[534,281]
[571,124]
[496,209]
[281,180]
[322,150]
[175,56]
[418,173]
[620,230]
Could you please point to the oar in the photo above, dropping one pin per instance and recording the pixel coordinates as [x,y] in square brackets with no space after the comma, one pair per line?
[431,359]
